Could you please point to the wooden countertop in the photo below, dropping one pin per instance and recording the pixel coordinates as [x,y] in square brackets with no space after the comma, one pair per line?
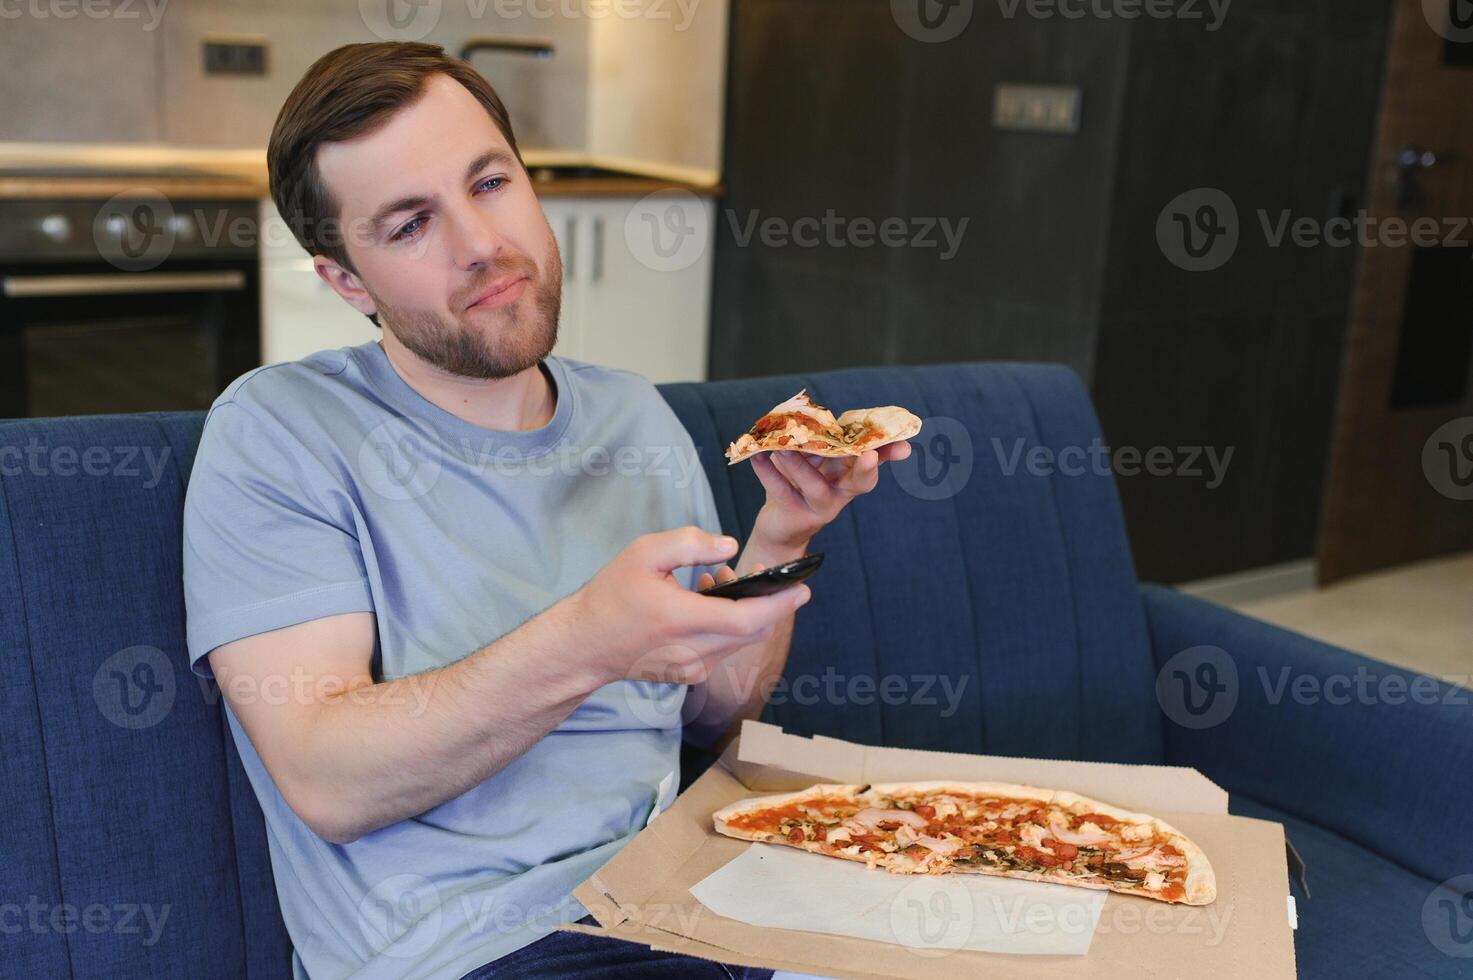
[98,170]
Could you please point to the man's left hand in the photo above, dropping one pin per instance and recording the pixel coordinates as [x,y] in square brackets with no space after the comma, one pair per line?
[805,492]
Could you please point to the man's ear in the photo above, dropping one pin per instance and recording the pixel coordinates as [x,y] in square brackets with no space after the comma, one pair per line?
[345,284]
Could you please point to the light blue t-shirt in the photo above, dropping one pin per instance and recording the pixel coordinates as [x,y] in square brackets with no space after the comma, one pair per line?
[327,486]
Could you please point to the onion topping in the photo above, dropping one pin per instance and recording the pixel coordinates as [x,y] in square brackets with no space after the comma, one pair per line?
[1061,832]
[873,817]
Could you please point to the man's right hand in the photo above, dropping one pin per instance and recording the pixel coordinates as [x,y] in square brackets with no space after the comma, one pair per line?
[641,624]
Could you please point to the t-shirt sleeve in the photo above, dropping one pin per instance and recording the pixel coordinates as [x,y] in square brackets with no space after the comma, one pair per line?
[269,540]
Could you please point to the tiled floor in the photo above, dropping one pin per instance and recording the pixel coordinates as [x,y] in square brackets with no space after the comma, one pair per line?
[1416,616]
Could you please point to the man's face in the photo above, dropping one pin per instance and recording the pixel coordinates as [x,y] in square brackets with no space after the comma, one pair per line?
[450,244]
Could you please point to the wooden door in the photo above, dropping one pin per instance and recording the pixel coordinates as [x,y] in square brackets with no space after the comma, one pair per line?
[1400,480]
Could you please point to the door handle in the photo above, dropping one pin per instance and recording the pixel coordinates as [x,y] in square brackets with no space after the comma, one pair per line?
[1411,161]
[598,249]
[30,287]
[571,225]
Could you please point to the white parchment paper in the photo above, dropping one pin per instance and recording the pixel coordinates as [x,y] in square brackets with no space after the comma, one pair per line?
[783,888]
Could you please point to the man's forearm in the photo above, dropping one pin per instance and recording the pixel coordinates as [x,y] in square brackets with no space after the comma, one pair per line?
[739,686]
[385,752]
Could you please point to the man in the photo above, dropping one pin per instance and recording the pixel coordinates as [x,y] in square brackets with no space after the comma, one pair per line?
[459,670]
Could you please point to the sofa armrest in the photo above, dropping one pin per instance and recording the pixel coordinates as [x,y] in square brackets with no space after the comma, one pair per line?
[1373,752]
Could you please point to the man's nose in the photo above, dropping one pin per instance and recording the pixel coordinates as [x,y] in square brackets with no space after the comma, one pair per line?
[475,239]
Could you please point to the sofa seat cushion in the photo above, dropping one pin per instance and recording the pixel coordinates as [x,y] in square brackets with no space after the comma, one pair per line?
[1365,919]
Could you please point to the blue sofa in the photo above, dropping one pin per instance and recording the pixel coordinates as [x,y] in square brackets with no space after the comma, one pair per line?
[134,845]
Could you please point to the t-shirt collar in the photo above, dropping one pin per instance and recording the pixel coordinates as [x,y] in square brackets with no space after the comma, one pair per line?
[456,430]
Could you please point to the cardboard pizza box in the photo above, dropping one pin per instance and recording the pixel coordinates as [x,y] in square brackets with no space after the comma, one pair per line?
[643,893]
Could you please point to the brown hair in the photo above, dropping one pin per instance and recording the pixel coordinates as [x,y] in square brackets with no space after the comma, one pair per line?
[350,91]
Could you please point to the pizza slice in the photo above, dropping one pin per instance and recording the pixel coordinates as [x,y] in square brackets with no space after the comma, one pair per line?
[999,829]
[800,425]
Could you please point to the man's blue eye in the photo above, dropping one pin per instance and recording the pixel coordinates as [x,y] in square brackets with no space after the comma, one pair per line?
[492,180]
[408,229]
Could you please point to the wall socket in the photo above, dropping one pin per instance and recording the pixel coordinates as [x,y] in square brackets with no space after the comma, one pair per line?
[1036,108]
[235,56]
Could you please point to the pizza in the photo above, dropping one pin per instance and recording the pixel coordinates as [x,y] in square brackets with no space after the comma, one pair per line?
[982,828]
[800,425]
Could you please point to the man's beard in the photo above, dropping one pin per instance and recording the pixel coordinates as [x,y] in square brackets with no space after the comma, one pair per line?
[520,335]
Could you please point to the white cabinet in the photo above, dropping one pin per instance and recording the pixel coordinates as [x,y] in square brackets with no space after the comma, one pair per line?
[636,286]
[636,281]
[300,314]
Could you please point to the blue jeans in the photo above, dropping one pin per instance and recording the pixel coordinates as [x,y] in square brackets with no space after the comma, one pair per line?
[575,955]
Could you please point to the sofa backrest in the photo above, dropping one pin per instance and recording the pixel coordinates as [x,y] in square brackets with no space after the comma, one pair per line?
[132,831]
[972,602]
[982,597]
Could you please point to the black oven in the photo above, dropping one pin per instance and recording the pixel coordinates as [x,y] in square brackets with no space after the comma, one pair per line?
[136,303]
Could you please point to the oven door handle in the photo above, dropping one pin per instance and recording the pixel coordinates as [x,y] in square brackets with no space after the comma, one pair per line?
[32,287]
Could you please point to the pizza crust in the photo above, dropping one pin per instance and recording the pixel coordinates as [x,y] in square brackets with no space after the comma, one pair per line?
[1200,885]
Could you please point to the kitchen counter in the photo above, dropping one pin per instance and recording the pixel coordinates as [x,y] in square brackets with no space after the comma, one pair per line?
[51,170]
